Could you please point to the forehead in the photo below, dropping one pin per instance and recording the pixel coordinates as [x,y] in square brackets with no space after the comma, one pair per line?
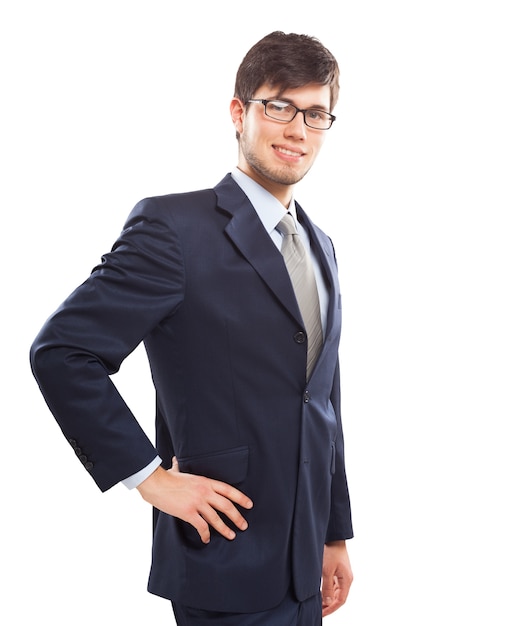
[308,96]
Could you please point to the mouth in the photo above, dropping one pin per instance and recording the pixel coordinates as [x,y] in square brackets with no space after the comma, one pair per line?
[288,152]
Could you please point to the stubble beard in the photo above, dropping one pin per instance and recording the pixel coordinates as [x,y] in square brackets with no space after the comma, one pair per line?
[280,175]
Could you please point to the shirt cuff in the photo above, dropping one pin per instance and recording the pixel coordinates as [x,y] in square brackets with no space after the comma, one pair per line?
[134,481]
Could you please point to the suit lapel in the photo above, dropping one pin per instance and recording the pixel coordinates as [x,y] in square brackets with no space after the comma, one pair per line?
[250,237]
[247,233]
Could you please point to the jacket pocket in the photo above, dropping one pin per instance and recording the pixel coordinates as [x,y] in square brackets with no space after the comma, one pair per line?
[229,466]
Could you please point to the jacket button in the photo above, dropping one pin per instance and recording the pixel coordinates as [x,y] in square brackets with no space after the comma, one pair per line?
[300,337]
[306,397]
[89,465]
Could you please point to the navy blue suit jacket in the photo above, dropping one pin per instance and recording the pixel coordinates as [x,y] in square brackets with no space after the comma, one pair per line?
[197,278]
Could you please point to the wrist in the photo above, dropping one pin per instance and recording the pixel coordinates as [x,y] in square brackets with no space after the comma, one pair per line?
[148,485]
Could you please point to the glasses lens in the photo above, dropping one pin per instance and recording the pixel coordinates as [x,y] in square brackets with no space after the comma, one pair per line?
[317,119]
[282,111]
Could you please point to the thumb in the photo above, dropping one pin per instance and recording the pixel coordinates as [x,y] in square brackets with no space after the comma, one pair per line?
[175,464]
[328,590]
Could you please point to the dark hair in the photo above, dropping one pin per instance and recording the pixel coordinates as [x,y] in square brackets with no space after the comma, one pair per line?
[287,61]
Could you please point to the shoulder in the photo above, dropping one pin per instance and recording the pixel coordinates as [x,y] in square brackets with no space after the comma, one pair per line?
[163,208]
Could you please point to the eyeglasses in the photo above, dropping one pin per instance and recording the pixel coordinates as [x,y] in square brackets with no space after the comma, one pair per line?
[286,112]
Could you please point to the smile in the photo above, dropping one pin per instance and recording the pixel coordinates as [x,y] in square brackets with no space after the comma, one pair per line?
[288,152]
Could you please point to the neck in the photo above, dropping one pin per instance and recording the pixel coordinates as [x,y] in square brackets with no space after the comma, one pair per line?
[282,192]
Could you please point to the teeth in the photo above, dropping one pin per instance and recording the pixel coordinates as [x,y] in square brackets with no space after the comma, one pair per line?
[288,152]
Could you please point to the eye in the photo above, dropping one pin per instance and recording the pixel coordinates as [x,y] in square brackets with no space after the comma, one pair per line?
[279,107]
[316,115]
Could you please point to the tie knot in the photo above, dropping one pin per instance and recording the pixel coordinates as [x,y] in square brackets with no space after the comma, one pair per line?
[287,225]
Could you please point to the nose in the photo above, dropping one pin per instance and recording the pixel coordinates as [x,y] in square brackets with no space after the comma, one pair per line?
[296,127]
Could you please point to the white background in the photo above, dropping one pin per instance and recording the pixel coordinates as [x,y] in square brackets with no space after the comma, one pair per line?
[410,187]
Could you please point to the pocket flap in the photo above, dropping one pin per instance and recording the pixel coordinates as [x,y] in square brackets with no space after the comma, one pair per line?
[229,466]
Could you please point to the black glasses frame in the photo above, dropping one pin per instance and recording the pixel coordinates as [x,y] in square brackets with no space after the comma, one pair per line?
[264,102]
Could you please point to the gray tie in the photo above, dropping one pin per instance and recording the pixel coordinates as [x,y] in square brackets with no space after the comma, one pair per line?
[301,272]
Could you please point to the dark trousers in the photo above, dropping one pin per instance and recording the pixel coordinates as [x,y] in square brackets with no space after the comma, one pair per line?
[289,612]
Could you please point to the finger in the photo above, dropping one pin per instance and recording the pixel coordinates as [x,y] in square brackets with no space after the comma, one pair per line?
[343,585]
[225,506]
[201,527]
[175,464]
[209,506]
[331,592]
[334,595]
[330,607]
[231,493]
[213,520]
[328,593]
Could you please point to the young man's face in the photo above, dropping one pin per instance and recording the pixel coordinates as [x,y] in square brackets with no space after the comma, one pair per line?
[278,154]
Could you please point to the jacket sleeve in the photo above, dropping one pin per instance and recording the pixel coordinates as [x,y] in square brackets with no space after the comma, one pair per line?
[340,522]
[139,283]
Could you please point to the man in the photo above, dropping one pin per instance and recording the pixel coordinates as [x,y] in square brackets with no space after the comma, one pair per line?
[247,478]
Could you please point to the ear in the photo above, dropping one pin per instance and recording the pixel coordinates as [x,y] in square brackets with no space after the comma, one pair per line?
[237,112]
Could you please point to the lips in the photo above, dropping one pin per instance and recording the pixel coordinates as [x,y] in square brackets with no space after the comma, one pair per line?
[288,152]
